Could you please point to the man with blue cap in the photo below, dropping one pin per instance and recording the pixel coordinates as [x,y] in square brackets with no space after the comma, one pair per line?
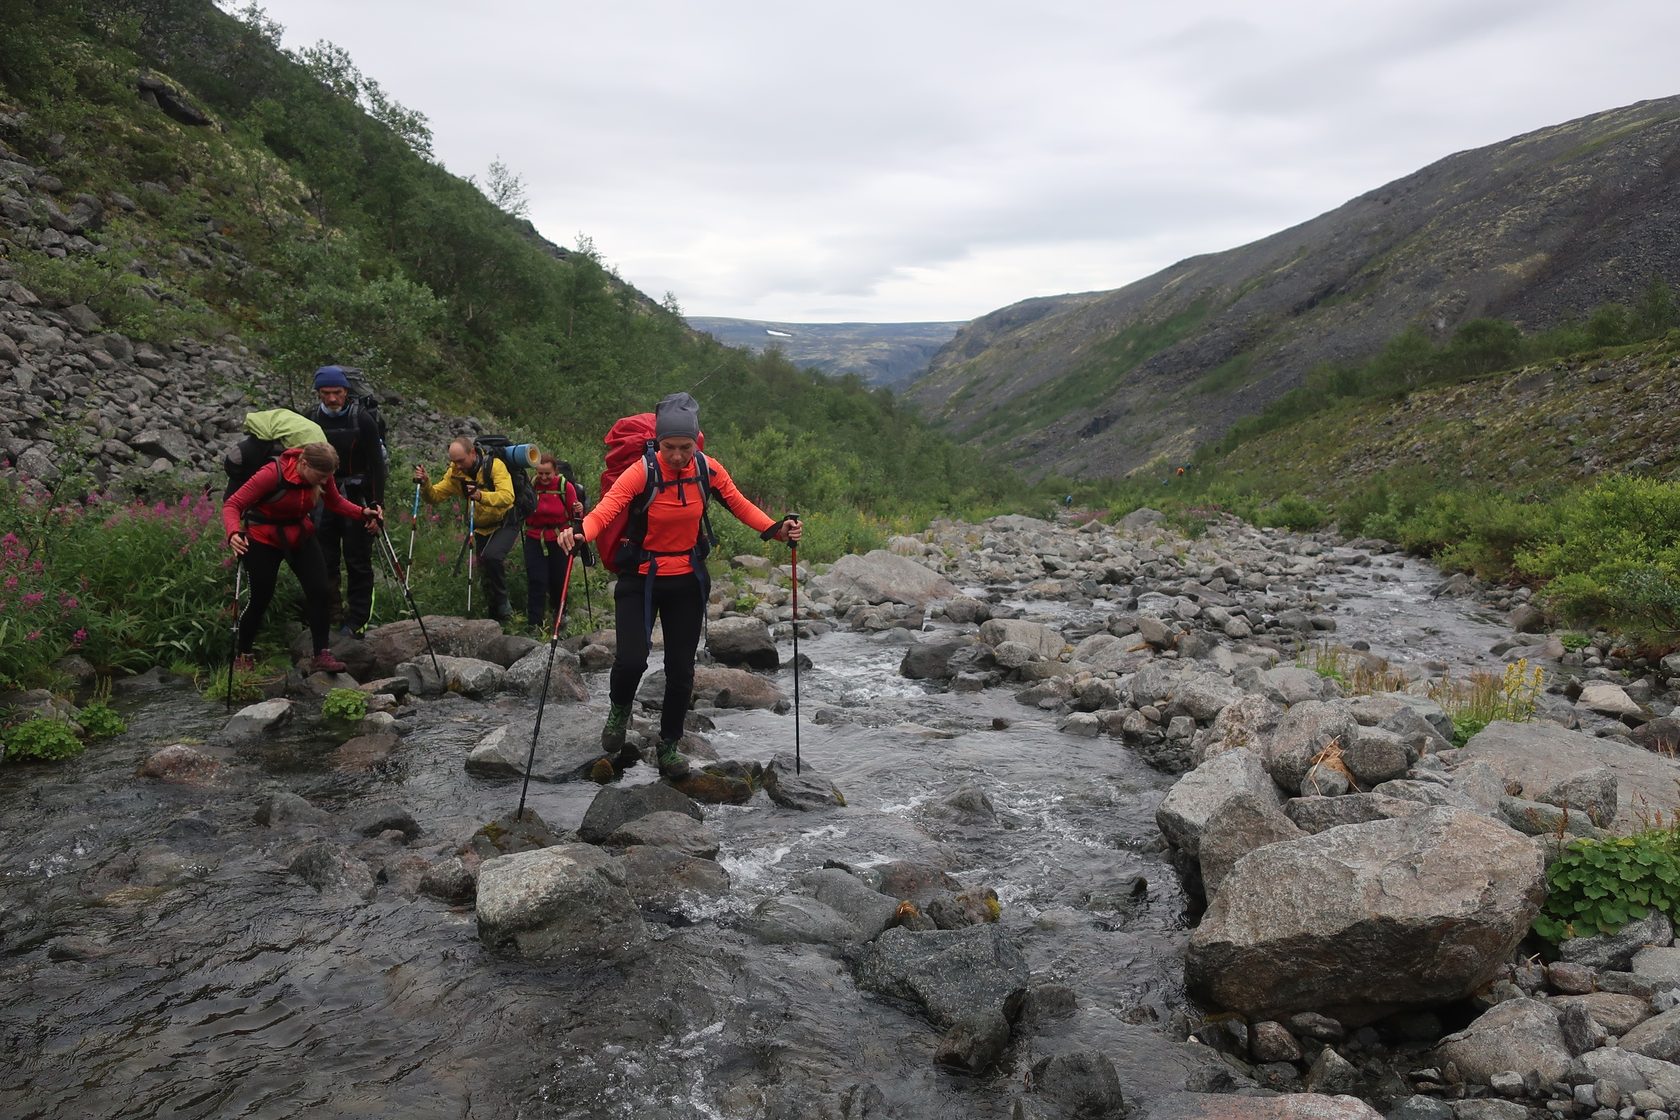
[354,433]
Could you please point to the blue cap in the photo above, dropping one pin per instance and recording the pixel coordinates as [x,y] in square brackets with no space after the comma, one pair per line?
[331,377]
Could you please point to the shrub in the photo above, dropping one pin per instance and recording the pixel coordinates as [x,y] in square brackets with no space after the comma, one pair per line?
[1598,886]
[41,737]
[1295,513]
[100,721]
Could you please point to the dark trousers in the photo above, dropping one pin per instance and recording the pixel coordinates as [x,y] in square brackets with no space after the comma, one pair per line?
[492,549]
[681,608]
[262,568]
[545,574]
[349,538]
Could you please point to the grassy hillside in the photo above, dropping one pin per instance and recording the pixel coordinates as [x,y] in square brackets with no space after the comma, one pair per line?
[1537,231]
[308,219]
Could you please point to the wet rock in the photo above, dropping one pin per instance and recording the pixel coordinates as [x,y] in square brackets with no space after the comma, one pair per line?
[1039,641]
[470,677]
[1418,1107]
[1441,898]
[285,807]
[975,906]
[883,577]
[1284,1106]
[733,688]
[566,750]
[566,902]
[949,973]
[866,908]
[333,871]
[1521,1035]
[400,641]
[743,641]
[665,881]
[974,1043]
[364,752]
[616,806]
[918,882]
[371,820]
[258,721]
[181,765]
[565,682]
[806,790]
[967,803]
[1047,1003]
[450,880]
[714,788]
[798,919]
[508,834]
[507,650]
[665,829]
[931,659]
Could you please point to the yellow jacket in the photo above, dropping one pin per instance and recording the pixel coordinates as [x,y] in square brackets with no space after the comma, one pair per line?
[494,501]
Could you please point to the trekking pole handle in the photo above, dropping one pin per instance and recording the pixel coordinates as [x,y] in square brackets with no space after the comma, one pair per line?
[773,531]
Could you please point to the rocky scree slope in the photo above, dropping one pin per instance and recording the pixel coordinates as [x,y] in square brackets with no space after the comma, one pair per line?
[1537,229]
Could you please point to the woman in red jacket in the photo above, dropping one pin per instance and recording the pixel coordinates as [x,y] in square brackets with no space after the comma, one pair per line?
[669,579]
[268,520]
[545,560]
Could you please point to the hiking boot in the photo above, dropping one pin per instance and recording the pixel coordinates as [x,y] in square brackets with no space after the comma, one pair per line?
[617,728]
[672,764]
[325,662]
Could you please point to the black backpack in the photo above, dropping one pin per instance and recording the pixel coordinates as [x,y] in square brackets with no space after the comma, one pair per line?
[246,458]
[500,447]
[364,397]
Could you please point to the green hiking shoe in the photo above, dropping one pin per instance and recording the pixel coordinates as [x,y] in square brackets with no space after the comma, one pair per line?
[613,734]
[672,764]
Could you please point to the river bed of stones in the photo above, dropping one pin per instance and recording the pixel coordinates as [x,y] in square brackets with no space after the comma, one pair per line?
[1346,927]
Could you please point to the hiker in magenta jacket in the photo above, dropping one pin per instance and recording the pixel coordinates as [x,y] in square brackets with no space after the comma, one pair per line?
[678,594]
[545,560]
[268,520]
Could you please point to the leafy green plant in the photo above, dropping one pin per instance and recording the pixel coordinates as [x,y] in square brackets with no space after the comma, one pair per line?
[1573,640]
[1484,698]
[42,738]
[99,720]
[346,705]
[1598,886]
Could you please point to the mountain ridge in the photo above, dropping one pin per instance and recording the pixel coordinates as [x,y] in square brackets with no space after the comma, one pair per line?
[882,354]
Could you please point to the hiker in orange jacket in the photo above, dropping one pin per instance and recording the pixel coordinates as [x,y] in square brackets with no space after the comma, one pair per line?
[666,575]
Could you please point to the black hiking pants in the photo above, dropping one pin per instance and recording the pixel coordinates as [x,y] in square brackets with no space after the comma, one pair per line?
[262,568]
[545,574]
[492,549]
[680,606]
[349,538]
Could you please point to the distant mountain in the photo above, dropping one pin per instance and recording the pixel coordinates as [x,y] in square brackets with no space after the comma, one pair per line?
[888,354]
[1537,230]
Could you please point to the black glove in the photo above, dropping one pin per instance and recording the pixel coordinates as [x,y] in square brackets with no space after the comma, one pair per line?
[775,530]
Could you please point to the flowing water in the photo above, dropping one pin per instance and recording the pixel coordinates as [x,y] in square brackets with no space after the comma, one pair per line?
[158,960]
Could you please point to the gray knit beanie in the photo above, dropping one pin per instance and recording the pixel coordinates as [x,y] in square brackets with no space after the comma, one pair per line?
[677,415]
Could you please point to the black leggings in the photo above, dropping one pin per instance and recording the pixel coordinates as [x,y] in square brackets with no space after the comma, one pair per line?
[545,574]
[492,549]
[262,569]
[680,607]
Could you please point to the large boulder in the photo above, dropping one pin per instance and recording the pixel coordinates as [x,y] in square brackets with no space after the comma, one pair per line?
[743,640]
[1044,643]
[1520,1035]
[258,721]
[1197,796]
[1365,919]
[567,751]
[1284,1106]
[883,577]
[565,683]
[950,973]
[472,678]
[1240,825]
[735,688]
[616,806]
[1302,734]
[567,902]
[931,659]
[396,642]
[1543,756]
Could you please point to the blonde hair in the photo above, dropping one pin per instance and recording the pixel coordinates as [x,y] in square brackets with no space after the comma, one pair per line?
[322,457]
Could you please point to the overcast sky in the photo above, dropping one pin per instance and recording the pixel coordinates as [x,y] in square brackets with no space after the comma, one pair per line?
[892,162]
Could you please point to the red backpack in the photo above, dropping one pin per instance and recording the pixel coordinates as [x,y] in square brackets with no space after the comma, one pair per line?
[629,439]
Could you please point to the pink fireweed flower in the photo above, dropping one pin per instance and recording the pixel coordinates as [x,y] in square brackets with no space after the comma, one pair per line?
[79,636]
[11,583]
[34,635]
[34,598]
[68,602]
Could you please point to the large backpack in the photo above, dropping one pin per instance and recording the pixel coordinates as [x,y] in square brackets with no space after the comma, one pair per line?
[620,543]
[268,433]
[364,397]
[516,457]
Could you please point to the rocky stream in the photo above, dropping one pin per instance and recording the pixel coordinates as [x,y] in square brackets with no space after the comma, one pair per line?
[1087,821]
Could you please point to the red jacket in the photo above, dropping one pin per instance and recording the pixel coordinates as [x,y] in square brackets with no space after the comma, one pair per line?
[554,509]
[674,516]
[278,504]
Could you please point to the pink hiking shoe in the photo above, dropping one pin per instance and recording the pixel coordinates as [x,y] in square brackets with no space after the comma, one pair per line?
[325,662]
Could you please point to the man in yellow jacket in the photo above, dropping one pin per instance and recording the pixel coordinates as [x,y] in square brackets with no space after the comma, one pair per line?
[485,482]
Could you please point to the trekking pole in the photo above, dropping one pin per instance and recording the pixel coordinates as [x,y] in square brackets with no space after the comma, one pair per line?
[542,698]
[472,551]
[795,569]
[413,528]
[389,552]
[238,617]
[588,599]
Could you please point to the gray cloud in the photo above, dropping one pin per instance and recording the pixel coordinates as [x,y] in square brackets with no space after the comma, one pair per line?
[939,160]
